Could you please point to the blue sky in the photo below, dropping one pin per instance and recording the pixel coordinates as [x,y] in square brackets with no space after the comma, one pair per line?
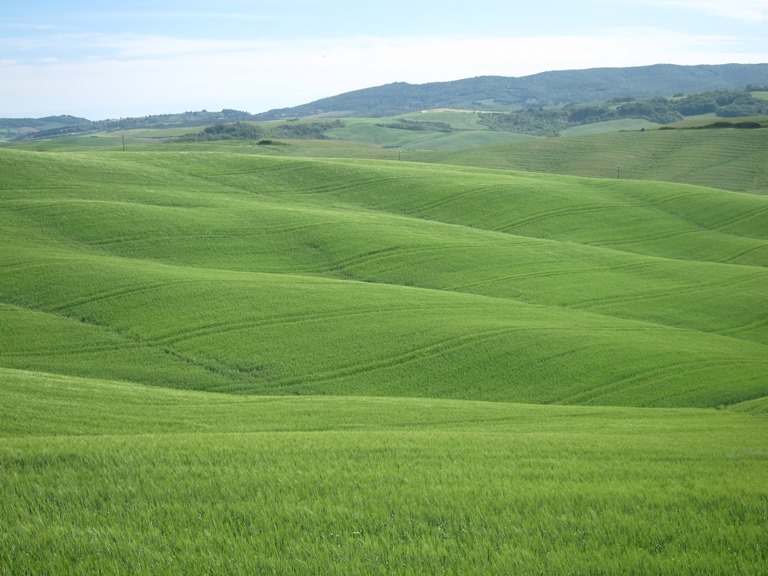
[116,59]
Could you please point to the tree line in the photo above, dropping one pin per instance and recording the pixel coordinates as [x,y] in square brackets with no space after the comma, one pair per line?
[551,121]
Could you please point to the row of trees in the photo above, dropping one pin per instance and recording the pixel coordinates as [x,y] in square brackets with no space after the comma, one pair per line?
[546,122]
[236,131]
[54,126]
[248,131]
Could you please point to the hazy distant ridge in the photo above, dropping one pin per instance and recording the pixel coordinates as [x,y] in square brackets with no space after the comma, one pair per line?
[544,89]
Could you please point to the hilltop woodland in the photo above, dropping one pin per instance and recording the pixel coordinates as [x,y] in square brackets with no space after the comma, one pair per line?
[550,122]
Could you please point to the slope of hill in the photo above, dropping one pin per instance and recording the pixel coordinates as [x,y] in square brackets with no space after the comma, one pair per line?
[547,88]
[729,159]
[279,275]
[129,279]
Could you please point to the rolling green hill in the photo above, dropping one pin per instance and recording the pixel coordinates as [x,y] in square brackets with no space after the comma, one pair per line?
[730,159]
[279,275]
[260,363]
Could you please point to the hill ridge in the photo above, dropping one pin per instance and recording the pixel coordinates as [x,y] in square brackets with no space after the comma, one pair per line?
[536,90]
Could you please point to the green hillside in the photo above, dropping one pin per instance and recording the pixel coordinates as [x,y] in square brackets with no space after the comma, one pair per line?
[231,359]
[730,159]
[294,276]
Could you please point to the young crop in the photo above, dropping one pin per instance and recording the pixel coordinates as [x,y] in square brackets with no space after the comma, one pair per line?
[114,478]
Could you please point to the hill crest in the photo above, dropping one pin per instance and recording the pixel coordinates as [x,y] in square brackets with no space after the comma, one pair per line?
[502,93]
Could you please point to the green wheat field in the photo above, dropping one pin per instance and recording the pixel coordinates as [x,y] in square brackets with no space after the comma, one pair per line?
[234,360]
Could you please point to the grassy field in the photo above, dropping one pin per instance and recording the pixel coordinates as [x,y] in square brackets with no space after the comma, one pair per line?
[465,132]
[116,478]
[245,361]
[730,159]
[273,275]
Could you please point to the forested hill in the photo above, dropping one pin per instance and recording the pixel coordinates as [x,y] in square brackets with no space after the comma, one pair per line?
[545,89]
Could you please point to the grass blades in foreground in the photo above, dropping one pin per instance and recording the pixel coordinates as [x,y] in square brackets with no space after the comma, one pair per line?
[116,478]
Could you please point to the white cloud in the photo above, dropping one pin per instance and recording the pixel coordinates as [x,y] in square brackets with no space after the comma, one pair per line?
[140,75]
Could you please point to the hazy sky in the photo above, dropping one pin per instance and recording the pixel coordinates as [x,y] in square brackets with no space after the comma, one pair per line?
[110,59]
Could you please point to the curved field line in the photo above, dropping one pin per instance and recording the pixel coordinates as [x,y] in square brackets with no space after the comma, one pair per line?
[744,252]
[616,243]
[740,218]
[547,215]
[665,292]
[214,328]
[548,274]
[439,347]
[736,331]
[451,199]
[668,199]
[110,294]
[645,378]
[552,273]
[127,342]
[358,183]
[696,226]
[382,254]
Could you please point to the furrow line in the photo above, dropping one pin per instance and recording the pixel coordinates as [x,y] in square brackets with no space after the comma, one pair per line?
[651,376]
[414,355]
[665,292]
[452,199]
[215,328]
[110,294]
[547,215]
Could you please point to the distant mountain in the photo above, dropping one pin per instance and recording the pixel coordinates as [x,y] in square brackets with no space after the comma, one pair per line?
[20,127]
[545,89]
[54,126]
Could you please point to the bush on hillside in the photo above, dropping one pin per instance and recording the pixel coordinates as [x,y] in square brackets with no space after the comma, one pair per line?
[235,131]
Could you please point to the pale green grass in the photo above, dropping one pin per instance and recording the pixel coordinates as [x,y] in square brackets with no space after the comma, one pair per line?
[113,478]
[609,127]
[368,132]
[458,119]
